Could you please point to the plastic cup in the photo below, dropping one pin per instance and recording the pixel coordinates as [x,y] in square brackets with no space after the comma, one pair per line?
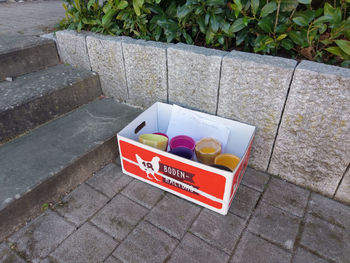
[154,140]
[228,160]
[182,141]
[163,134]
[183,152]
[207,149]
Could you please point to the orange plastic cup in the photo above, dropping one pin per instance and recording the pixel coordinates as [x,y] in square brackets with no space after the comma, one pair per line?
[228,160]
[207,149]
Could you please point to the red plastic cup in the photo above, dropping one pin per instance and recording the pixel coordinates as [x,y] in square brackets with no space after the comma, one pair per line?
[182,141]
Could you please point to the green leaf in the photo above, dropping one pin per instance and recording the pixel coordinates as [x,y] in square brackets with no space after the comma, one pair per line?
[280,37]
[344,45]
[297,37]
[137,4]
[183,11]
[107,18]
[336,51]
[237,25]
[334,13]
[209,36]
[207,17]
[300,21]
[268,9]
[346,63]
[221,40]
[287,44]
[214,23]
[241,36]
[266,24]
[281,28]
[201,24]
[323,19]
[255,6]
[303,18]
[187,38]
[288,5]
[90,3]
[122,4]
[305,2]
[238,4]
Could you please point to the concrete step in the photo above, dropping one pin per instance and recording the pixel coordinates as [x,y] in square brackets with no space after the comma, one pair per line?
[54,158]
[20,55]
[35,98]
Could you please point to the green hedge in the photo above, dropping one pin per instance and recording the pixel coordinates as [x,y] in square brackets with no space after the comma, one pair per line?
[318,30]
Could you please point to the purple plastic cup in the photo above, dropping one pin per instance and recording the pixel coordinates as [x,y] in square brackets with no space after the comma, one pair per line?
[163,134]
[183,152]
[182,141]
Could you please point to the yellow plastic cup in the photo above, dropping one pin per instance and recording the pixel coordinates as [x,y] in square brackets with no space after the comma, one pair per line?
[228,160]
[154,140]
[207,149]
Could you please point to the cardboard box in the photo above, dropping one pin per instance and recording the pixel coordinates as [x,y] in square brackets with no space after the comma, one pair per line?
[202,184]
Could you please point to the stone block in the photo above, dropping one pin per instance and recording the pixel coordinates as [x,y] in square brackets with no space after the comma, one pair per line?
[81,204]
[343,192]
[244,201]
[327,240]
[7,255]
[255,179]
[173,215]
[109,180]
[275,225]
[142,193]
[253,89]
[286,196]
[37,239]
[330,210]
[194,76]
[72,48]
[112,259]
[303,256]
[219,231]
[252,249]
[146,243]
[192,249]
[146,71]
[87,244]
[106,58]
[313,144]
[119,217]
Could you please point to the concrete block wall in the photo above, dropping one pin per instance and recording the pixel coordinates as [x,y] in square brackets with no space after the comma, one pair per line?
[301,111]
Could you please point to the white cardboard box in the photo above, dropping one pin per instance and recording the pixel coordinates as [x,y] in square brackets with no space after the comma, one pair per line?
[202,184]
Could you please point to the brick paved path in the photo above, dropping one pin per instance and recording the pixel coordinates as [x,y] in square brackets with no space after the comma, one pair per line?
[29,18]
[114,218]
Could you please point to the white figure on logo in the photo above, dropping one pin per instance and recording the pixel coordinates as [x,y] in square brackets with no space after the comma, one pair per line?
[151,167]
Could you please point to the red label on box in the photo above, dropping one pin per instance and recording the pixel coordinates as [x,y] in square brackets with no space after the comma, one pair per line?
[173,174]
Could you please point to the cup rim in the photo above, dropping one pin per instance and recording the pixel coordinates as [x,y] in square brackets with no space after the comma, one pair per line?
[188,138]
[212,139]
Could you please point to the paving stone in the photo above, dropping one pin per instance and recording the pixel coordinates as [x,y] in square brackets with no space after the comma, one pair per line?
[112,259]
[109,180]
[286,196]
[244,201]
[253,89]
[81,204]
[219,231]
[106,58]
[87,245]
[193,76]
[119,217]
[146,71]
[255,179]
[173,215]
[8,256]
[37,239]
[252,249]
[192,249]
[313,146]
[304,256]
[142,193]
[72,48]
[343,192]
[326,239]
[146,243]
[330,210]
[275,225]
